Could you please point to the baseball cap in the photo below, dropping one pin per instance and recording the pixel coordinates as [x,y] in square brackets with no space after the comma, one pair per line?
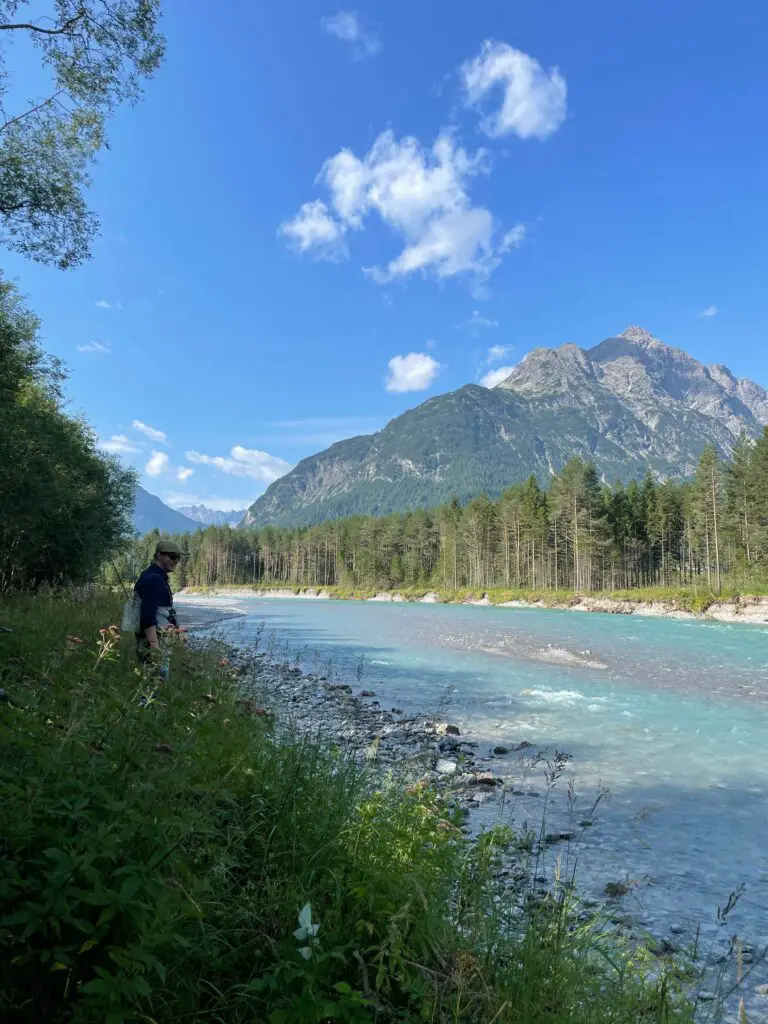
[168,547]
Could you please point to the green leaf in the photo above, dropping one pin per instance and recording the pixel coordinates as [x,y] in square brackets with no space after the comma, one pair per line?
[55,854]
[128,889]
[343,987]
[141,986]
[22,916]
[97,987]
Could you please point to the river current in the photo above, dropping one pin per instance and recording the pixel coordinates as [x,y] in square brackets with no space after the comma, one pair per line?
[669,716]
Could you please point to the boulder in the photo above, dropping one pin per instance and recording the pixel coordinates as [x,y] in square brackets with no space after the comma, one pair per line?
[447,729]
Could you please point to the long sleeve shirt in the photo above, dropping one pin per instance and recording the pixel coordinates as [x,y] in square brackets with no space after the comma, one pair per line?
[154,591]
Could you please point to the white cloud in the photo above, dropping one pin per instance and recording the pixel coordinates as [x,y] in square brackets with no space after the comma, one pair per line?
[314,228]
[157,465]
[245,462]
[457,241]
[535,100]
[152,434]
[494,377]
[103,304]
[513,239]
[184,473]
[414,372]
[420,194]
[478,322]
[345,25]
[95,347]
[177,499]
[709,311]
[118,444]
[497,352]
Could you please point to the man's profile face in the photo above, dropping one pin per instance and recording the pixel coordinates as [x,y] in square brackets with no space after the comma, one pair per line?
[168,562]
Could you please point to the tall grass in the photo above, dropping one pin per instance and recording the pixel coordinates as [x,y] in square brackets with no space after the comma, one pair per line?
[163,858]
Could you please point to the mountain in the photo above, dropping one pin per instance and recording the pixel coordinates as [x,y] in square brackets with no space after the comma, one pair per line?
[210,517]
[629,404]
[152,514]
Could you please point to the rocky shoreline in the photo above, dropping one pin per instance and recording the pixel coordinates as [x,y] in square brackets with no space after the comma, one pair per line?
[405,748]
[409,749]
[744,610]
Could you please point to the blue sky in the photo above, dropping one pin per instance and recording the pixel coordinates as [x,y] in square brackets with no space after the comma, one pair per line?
[314,209]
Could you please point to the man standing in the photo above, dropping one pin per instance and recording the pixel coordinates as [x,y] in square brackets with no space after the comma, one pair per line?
[157,612]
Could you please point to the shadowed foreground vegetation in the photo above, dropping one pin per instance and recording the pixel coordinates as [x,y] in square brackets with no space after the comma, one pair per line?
[174,862]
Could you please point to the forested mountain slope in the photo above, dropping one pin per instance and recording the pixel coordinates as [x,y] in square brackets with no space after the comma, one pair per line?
[629,404]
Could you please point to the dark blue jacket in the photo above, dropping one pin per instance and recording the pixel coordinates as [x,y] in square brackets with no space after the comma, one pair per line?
[155,592]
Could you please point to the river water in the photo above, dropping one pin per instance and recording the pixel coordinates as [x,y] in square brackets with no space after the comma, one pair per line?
[670,716]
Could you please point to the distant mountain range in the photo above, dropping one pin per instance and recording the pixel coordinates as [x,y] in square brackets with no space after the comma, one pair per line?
[628,404]
[150,513]
[210,517]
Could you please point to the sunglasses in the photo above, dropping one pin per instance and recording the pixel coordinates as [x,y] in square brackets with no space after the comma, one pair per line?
[173,558]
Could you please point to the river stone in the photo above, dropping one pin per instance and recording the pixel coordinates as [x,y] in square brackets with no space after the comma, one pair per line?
[446,729]
[486,779]
[558,837]
[445,767]
[501,750]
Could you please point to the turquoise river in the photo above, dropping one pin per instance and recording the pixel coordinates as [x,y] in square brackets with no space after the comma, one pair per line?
[669,716]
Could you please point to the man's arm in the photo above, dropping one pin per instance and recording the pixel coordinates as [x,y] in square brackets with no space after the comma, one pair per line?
[151,634]
[151,593]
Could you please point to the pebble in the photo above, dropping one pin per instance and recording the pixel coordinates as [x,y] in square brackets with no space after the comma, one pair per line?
[445,767]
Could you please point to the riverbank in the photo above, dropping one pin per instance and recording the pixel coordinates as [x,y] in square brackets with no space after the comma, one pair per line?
[272,838]
[671,604]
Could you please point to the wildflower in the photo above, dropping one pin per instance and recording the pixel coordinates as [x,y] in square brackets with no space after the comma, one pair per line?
[73,642]
[224,663]
[306,932]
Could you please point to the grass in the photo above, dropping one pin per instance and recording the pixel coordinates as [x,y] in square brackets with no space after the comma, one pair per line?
[168,860]
[696,599]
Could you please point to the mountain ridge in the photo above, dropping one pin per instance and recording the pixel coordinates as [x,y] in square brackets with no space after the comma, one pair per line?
[205,516]
[628,404]
[150,513]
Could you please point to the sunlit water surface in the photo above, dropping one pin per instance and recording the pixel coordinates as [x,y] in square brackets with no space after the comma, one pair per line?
[671,716]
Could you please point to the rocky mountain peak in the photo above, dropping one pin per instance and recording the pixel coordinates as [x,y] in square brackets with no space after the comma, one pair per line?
[548,370]
[640,335]
[631,404]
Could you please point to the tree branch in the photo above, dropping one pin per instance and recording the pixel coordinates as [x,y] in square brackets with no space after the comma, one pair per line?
[32,110]
[62,30]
